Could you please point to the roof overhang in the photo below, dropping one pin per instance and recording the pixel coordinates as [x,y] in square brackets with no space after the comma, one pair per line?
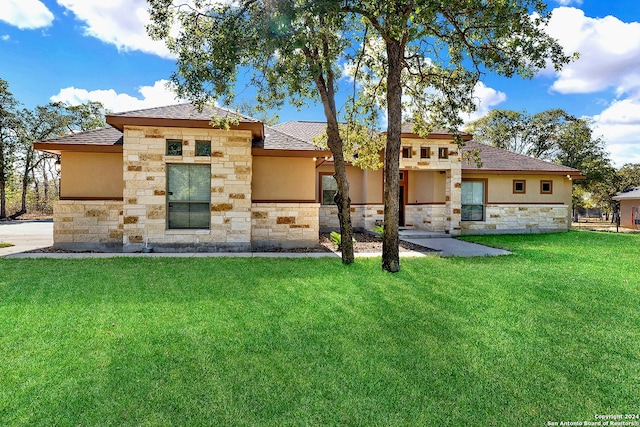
[119,122]
[438,136]
[568,174]
[57,149]
[264,152]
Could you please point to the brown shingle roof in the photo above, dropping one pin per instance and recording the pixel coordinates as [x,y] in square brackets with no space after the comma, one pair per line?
[407,128]
[497,159]
[183,112]
[303,130]
[275,139]
[103,136]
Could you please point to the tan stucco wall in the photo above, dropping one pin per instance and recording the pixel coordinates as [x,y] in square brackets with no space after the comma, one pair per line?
[283,178]
[361,189]
[500,188]
[92,175]
[426,187]
[626,219]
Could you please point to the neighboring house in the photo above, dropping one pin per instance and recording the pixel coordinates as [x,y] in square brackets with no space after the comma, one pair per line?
[629,207]
[165,178]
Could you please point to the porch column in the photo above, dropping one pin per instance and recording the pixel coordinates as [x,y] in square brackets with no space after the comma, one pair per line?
[454,199]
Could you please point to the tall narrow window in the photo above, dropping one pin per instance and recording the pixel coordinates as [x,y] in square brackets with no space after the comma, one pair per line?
[189,196]
[406,152]
[473,200]
[443,153]
[328,189]
[425,152]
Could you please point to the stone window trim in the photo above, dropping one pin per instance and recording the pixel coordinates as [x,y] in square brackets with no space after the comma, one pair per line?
[322,192]
[485,191]
[519,186]
[546,186]
[425,152]
[443,152]
[406,152]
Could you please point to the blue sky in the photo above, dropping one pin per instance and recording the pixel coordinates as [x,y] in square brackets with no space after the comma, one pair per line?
[79,50]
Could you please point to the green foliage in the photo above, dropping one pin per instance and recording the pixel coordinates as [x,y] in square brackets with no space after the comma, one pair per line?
[496,341]
[336,239]
[379,231]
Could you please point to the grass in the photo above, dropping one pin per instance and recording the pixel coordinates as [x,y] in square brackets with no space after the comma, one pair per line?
[547,334]
[5,245]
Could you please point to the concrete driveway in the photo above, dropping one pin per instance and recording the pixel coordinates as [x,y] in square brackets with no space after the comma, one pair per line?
[25,235]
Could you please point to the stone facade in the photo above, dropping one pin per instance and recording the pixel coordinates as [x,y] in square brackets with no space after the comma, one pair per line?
[88,225]
[284,225]
[363,217]
[520,219]
[145,182]
[429,217]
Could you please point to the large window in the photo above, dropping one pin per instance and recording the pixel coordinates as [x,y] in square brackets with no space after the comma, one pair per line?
[189,196]
[328,189]
[473,200]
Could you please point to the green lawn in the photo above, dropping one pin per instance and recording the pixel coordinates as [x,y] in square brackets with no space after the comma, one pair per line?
[551,333]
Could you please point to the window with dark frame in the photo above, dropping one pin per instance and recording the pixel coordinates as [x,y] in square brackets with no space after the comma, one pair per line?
[174,147]
[473,200]
[203,148]
[406,152]
[328,189]
[425,152]
[519,186]
[546,187]
[188,196]
[443,153]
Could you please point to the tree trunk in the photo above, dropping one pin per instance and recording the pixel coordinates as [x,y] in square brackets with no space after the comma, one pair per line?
[334,141]
[3,185]
[390,240]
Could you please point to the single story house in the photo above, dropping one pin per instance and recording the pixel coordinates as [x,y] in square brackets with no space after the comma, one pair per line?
[164,177]
[629,207]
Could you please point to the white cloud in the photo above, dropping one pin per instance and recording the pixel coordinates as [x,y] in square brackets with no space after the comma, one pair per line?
[5,38]
[26,14]
[619,124]
[485,99]
[609,53]
[118,22]
[157,95]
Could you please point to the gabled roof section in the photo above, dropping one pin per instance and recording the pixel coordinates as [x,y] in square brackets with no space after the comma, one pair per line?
[106,139]
[496,159]
[303,130]
[275,139]
[633,193]
[182,115]
[408,132]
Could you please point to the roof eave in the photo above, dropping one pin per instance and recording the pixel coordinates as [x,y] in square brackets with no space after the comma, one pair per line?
[119,122]
[58,148]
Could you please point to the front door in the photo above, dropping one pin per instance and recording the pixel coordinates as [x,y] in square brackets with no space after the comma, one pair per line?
[402,197]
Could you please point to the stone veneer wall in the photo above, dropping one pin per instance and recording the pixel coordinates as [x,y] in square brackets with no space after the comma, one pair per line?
[363,217]
[520,219]
[144,191]
[88,225]
[284,225]
[430,217]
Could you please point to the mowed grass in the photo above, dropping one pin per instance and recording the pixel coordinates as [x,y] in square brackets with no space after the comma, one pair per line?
[551,333]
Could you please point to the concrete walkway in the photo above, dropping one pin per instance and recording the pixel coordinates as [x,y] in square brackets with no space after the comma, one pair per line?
[448,246]
[30,235]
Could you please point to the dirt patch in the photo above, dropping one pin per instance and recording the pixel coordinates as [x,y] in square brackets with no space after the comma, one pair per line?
[600,225]
[365,243]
